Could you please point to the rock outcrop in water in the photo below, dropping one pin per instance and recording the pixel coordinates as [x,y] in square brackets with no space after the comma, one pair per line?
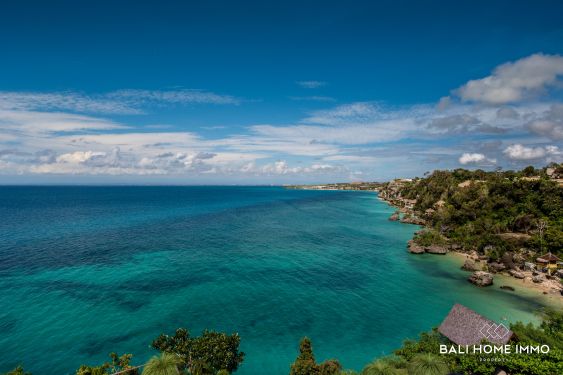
[481,278]
[411,219]
[395,216]
[415,248]
[436,249]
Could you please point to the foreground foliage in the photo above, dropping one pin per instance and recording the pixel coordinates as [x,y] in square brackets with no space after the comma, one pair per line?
[217,354]
[207,354]
[118,363]
[163,364]
[305,363]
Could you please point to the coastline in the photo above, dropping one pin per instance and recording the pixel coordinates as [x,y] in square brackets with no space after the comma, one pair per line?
[524,287]
[548,292]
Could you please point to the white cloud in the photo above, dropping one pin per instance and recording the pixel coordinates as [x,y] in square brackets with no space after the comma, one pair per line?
[521,152]
[78,157]
[475,158]
[311,84]
[361,138]
[31,122]
[515,81]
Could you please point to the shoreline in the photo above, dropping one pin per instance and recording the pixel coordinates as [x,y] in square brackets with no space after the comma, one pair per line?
[549,291]
[523,287]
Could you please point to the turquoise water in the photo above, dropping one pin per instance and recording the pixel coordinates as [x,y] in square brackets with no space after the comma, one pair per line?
[89,270]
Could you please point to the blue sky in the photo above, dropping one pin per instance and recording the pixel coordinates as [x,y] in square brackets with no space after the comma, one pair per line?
[276,92]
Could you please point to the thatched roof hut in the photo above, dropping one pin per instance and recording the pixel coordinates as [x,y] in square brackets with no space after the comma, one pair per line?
[464,326]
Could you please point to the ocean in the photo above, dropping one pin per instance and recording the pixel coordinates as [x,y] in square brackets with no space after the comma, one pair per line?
[85,271]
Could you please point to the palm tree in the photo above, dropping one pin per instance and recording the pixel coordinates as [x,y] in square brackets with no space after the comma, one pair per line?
[165,364]
[427,364]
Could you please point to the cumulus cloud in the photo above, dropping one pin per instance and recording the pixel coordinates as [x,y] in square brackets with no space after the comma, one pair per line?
[311,84]
[521,152]
[475,158]
[515,81]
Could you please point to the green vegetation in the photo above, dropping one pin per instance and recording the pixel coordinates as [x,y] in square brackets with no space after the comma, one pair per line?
[207,354]
[305,363]
[118,364]
[429,237]
[163,364]
[491,212]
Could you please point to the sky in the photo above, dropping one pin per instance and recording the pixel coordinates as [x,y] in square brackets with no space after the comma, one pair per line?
[276,92]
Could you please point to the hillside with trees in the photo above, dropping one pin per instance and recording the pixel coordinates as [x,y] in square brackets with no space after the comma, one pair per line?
[488,212]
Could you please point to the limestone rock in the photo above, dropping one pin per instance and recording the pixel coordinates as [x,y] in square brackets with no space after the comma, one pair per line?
[394,217]
[409,219]
[538,279]
[436,249]
[517,274]
[481,278]
[529,266]
[496,267]
[415,248]
[470,265]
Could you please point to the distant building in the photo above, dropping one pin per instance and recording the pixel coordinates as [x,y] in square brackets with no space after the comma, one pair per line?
[464,326]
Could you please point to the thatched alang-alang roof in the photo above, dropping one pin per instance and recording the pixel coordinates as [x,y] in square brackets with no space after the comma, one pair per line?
[464,326]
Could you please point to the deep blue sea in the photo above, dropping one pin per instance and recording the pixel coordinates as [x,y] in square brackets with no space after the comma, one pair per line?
[85,271]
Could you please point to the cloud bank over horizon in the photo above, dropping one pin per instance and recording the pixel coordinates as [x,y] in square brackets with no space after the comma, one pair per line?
[510,118]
